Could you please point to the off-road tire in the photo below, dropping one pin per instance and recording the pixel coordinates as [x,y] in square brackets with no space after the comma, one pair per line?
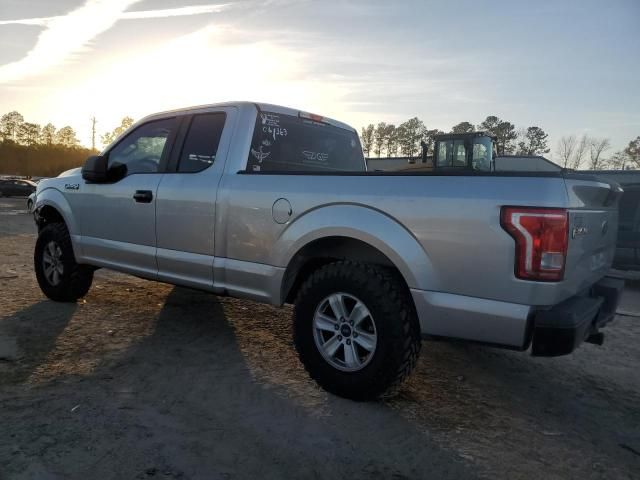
[398,331]
[75,280]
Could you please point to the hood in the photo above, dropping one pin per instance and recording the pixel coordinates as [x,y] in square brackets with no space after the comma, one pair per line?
[70,172]
[56,182]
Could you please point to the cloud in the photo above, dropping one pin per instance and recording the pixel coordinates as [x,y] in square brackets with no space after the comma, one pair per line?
[175,12]
[42,21]
[70,34]
[163,13]
[66,35]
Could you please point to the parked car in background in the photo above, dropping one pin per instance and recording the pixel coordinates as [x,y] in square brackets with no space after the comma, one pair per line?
[31,201]
[628,246]
[16,188]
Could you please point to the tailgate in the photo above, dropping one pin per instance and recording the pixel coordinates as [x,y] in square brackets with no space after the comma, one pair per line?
[593,227]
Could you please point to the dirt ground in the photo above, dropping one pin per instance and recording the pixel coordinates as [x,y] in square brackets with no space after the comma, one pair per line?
[143,380]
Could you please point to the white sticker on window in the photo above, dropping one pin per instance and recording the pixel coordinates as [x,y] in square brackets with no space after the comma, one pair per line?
[316,156]
[259,154]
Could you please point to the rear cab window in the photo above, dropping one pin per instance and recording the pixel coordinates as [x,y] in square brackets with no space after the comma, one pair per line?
[288,143]
[202,141]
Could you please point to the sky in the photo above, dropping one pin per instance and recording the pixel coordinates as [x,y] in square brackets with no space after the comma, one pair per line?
[570,67]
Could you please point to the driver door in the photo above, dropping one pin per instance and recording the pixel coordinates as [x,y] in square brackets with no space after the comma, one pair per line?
[117,220]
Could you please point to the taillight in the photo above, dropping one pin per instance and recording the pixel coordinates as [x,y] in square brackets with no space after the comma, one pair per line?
[541,236]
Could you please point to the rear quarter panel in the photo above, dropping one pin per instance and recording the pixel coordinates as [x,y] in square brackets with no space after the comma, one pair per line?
[446,230]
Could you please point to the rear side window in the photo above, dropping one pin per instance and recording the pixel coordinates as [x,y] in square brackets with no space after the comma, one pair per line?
[201,144]
[284,143]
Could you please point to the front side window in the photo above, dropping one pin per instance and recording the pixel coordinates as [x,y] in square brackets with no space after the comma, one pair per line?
[284,143]
[201,145]
[142,149]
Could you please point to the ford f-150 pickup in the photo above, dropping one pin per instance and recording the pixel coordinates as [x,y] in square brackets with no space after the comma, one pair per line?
[275,205]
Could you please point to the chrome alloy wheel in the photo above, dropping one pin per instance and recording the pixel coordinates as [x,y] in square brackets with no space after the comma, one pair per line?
[344,332]
[52,263]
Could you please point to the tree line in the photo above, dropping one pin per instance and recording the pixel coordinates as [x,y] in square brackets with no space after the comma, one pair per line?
[590,153]
[28,148]
[31,149]
[407,138]
[585,152]
[14,129]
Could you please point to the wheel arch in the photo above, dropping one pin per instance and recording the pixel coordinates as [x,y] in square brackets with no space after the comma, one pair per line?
[351,232]
[51,206]
[329,249]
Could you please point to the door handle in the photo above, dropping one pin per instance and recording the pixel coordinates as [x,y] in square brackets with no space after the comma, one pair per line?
[143,196]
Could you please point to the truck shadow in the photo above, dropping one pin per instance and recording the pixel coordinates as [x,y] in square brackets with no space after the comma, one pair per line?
[212,384]
[187,401]
[245,362]
[535,411]
[28,336]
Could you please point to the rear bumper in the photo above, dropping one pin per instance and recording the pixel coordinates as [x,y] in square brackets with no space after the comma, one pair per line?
[562,328]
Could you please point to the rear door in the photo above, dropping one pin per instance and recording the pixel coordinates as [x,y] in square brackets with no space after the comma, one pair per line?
[23,188]
[186,201]
[16,188]
[593,226]
[10,189]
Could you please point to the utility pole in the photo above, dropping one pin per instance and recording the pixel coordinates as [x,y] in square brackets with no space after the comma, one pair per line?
[93,133]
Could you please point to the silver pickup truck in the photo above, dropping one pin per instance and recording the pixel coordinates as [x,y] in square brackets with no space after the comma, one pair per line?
[275,205]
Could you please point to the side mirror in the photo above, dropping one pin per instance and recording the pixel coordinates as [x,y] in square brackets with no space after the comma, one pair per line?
[95,169]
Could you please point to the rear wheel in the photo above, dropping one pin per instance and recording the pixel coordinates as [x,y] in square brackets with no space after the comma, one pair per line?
[355,329]
[59,276]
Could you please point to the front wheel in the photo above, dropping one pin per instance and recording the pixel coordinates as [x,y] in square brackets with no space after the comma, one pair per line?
[59,276]
[355,329]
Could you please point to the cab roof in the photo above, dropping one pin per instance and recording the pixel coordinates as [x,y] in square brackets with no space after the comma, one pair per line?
[267,107]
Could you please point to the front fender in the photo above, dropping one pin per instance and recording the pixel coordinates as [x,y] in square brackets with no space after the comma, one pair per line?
[52,197]
[362,223]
